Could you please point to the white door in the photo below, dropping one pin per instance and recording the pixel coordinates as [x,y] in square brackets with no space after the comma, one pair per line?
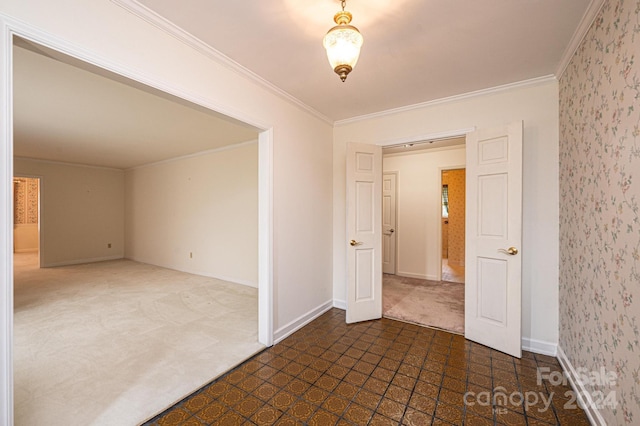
[364,226]
[494,237]
[389,223]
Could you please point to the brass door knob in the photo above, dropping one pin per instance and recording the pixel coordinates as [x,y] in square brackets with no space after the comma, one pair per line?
[511,251]
[355,243]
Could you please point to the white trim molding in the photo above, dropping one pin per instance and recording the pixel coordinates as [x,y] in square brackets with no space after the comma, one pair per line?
[82,261]
[449,134]
[195,154]
[584,397]
[539,346]
[417,276]
[483,92]
[304,319]
[340,304]
[581,32]
[65,163]
[187,38]
[6,230]
[265,237]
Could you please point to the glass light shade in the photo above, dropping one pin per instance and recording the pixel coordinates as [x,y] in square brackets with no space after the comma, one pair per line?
[343,43]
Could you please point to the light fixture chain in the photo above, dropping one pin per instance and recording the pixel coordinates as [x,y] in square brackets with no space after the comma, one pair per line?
[344,3]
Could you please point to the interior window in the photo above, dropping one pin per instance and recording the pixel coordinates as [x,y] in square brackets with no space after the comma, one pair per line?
[445,201]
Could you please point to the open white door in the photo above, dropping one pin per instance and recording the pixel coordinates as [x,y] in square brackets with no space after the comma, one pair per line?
[364,230]
[494,238]
[389,223]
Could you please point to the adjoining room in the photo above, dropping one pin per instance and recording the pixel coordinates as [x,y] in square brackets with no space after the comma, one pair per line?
[423,233]
[136,256]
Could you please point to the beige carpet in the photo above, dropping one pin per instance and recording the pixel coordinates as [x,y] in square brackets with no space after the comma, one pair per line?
[432,303]
[113,343]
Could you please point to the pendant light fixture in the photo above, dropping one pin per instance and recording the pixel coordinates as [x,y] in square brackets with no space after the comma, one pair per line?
[343,44]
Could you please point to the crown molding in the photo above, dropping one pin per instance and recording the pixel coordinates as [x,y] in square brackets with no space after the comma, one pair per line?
[580,33]
[483,92]
[67,163]
[194,155]
[190,40]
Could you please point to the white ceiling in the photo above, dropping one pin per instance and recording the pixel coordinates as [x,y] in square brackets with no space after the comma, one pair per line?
[414,50]
[86,116]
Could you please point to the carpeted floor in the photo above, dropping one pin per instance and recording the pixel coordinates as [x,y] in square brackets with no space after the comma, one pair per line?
[114,343]
[436,304]
[452,273]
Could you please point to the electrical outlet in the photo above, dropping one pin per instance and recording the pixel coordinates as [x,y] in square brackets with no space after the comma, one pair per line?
[109,245]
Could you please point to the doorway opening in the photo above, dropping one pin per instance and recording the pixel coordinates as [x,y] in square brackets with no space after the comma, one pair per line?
[26,221]
[80,63]
[453,224]
[425,286]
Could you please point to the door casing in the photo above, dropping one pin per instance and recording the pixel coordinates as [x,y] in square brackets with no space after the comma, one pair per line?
[442,135]
[393,237]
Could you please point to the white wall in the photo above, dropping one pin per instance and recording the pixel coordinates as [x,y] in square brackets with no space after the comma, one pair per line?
[82,211]
[302,142]
[206,205]
[535,103]
[419,207]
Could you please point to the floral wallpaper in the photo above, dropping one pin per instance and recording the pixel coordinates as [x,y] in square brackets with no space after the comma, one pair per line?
[25,201]
[455,179]
[600,211]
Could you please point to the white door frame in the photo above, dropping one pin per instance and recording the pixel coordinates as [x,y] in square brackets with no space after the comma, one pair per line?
[9,28]
[395,215]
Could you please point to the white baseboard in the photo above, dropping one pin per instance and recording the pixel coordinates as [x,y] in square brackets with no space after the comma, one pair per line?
[81,261]
[290,328]
[340,304]
[26,250]
[418,276]
[584,396]
[233,280]
[539,347]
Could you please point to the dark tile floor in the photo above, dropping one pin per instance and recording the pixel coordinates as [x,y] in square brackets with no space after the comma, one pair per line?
[380,373]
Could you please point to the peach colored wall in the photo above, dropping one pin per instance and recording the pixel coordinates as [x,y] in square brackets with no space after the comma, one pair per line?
[455,234]
[445,238]
[25,215]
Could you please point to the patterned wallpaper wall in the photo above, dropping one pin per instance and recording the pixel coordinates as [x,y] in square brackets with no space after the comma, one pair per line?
[600,209]
[456,181]
[25,201]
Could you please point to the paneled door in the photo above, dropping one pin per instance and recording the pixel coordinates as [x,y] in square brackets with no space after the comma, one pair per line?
[494,238]
[389,223]
[364,226]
